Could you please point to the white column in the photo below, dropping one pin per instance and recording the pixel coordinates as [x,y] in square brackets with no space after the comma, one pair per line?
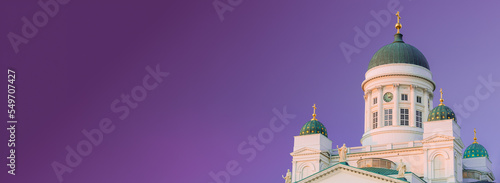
[413,100]
[426,105]
[367,103]
[368,111]
[395,112]
[380,106]
[431,95]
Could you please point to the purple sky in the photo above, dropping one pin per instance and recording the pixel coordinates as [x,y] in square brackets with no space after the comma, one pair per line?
[225,79]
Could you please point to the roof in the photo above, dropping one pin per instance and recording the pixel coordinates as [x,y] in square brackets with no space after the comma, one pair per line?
[441,112]
[475,150]
[398,52]
[380,171]
[313,127]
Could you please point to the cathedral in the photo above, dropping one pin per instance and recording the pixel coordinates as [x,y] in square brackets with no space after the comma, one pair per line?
[406,138]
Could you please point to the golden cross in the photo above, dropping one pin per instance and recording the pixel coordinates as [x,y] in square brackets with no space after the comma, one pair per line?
[314,113]
[475,139]
[441,100]
[397,14]
[398,25]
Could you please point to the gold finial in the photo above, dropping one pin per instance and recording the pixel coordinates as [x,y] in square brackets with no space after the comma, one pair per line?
[398,25]
[441,100]
[314,113]
[475,139]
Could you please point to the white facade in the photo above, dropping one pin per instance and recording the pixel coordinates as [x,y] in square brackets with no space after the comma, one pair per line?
[441,145]
[398,100]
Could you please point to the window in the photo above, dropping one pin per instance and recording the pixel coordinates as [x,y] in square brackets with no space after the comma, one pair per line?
[438,166]
[404,117]
[374,100]
[419,99]
[387,117]
[419,119]
[375,119]
[404,97]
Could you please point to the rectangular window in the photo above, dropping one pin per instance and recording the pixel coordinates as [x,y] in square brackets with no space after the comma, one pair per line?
[419,99]
[375,119]
[404,117]
[419,119]
[387,117]
[375,100]
[404,97]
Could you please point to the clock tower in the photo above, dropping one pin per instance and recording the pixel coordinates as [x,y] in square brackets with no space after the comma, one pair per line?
[398,95]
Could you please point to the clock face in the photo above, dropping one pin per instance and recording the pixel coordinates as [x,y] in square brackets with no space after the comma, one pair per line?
[388,97]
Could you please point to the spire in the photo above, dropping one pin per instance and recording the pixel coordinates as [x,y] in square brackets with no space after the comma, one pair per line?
[314,113]
[475,139]
[398,25]
[441,100]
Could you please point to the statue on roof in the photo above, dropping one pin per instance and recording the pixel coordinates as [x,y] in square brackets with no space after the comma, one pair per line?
[401,169]
[287,177]
[342,153]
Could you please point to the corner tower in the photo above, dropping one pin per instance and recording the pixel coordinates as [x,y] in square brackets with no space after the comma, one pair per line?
[310,149]
[398,95]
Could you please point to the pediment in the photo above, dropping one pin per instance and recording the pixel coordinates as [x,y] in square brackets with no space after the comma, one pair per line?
[305,150]
[342,173]
[438,137]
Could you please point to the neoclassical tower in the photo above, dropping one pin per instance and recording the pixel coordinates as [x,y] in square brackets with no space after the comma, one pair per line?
[398,96]
[311,149]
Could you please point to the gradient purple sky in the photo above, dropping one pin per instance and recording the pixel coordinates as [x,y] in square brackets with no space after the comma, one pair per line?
[225,79]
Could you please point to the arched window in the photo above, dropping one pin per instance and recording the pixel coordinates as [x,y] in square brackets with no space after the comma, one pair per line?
[439,166]
[306,171]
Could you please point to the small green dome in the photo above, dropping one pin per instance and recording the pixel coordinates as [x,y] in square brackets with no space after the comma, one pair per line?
[398,52]
[313,127]
[441,112]
[475,150]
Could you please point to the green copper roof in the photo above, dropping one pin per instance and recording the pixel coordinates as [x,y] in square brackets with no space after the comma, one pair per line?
[441,112]
[398,52]
[475,150]
[384,171]
[313,127]
[381,171]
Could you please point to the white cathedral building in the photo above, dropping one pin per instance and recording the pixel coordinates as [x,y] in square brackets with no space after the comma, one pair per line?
[406,138]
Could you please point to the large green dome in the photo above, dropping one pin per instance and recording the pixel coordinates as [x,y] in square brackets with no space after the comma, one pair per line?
[398,52]
[441,112]
[313,127]
[475,150]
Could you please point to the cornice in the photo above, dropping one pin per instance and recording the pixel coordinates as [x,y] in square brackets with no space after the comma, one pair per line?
[366,81]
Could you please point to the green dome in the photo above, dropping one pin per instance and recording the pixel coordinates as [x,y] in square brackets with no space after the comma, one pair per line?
[475,150]
[398,52]
[441,112]
[313,127]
